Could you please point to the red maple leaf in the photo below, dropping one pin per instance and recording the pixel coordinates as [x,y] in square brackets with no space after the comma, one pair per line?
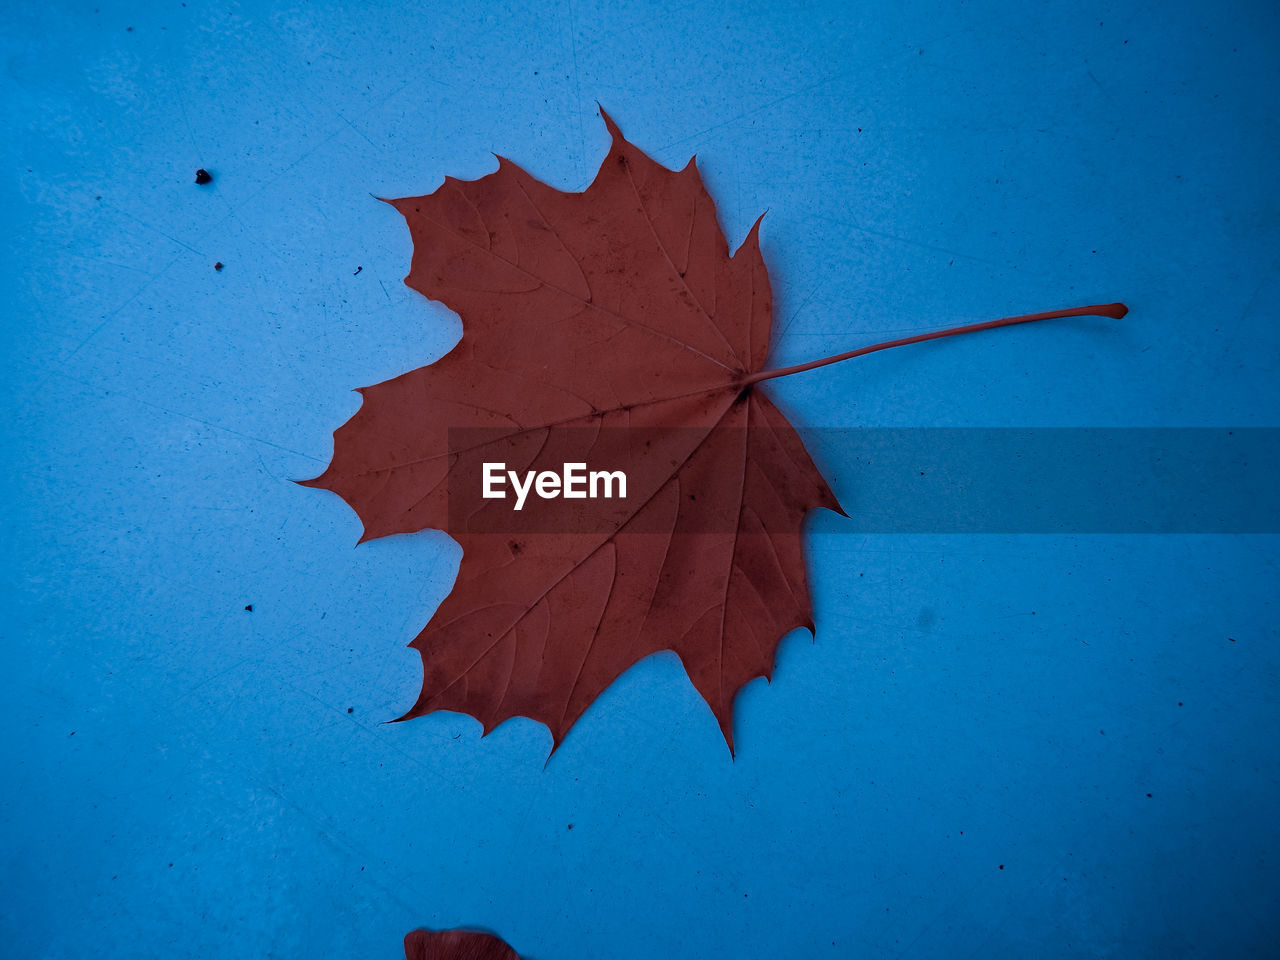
[590,320]
[424,944]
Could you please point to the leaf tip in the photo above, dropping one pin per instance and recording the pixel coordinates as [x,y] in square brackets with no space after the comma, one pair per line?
[612,127]
[751,242]
[557,738]
[726,730]
[832,504]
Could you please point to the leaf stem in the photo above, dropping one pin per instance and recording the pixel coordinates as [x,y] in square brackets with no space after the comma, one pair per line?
[1113,310]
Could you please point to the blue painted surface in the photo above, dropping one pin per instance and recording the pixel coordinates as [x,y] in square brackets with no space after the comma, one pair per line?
[998,745]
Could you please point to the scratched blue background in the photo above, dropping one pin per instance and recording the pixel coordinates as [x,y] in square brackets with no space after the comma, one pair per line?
[998,745]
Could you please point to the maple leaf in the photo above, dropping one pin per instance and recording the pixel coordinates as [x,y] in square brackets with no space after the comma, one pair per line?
[424,944]
[615,311]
